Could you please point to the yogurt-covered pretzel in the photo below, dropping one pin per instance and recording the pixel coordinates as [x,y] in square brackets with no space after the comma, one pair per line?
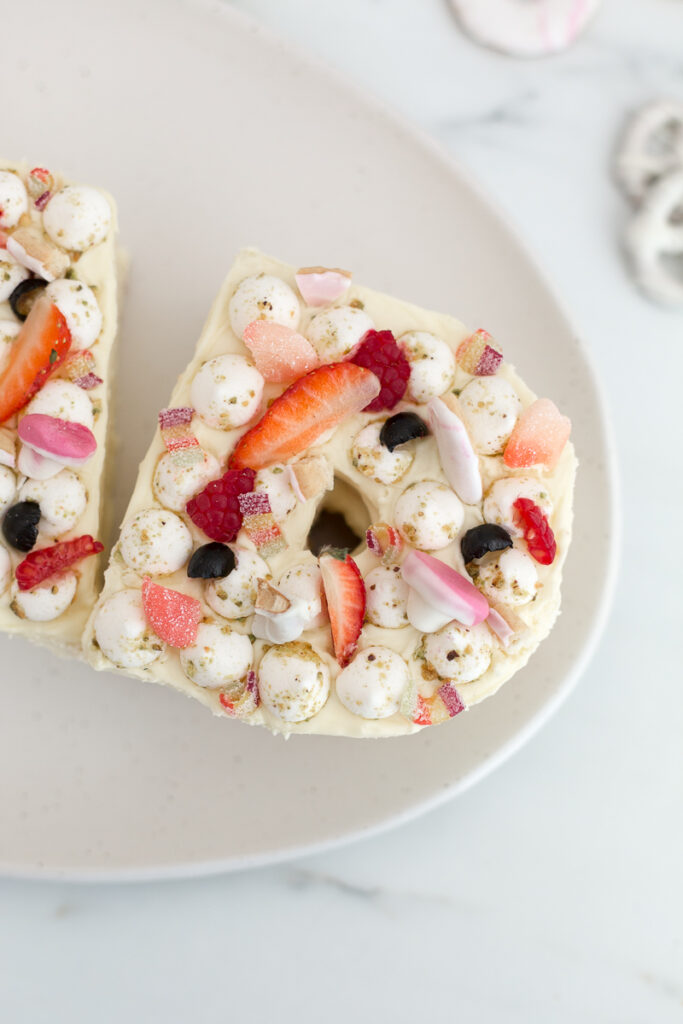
[655,233]
[525,28]
[651,147]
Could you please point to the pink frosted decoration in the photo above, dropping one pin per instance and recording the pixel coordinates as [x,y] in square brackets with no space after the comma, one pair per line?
[281,354]
[69,443]
[538,437]
[499,626]
[444,588]
[320,286]
[458,458]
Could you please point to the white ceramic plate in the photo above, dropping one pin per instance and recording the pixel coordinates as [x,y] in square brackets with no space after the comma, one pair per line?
[212,135]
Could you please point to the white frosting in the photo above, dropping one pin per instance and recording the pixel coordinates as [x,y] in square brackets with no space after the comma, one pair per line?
[263,297]
[155,541]
[32,464]
[510,578]
[62,499]
[374,682]
[335,333]
[490,407]
[281,627]
[503,493]
[78,305]
[294,682]
[429,515]
[65,400]
[5,568]
[174,485]
[219,657]
[459,654]
[386,594]
[77,217]
[424,616]
[233,596]
[123,633]
[11,274]
[276,482]
[47,601]
[8,488]
[374,460]
[303,582]
[227,391]
[13,199]
[432,365]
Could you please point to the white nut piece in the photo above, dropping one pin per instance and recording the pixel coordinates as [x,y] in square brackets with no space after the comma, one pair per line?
[458,654]
[47,601]
[502,494]
[8,488]
[62,499]
[386,595]
[5,568]
[174,485]
[77,217]
[432,365]
[123,633]
[304,582]
[11,274]
[294,681]
[374,460]
[509,579]
[490,407]
[219,657]
[373,684]
[275,481]
[233,596]
[337,332]
[226,392]
[13,199]
[155,541]
[78,305]
[65,400]
[429,515]
[263,297]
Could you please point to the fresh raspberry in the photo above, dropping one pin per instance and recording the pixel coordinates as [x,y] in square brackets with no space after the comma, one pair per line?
[538,535]
[216,509]
[380,353]
[42,564]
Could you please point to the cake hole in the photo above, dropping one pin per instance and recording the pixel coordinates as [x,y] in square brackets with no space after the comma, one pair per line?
[341,520]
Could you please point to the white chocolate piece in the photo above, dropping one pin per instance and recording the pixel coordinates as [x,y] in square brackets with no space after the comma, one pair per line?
[36,466]
[5,568]
[65,401]
[432,365]
[281,627]
[458,654]
[276,482]
[155,541]
[502,495]
[226,392]
[490,407]
[294,682]
[429,515]
[372,685]
[218,658]
[386,594]
[13,199]
[374,460]
[11,274]
[234,596]
[8,488]
[62,499]
[651,147]
[78,305]
[263,297]
[174,485]
[123,633]
[47,601]
[336,333]
[458,458]
[653,236]
[510,579]
[525,28]
[77,217]
[304,582]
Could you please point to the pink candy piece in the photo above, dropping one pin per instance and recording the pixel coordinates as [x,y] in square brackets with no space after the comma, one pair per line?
[246,702]
[259,523]
[479,354]
[320,286]
[539,436]
[281,355]
[458,458]
[444,588]
[499,626]
[72,444]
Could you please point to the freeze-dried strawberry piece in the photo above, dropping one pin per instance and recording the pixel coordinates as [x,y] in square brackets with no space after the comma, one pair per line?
[40,565]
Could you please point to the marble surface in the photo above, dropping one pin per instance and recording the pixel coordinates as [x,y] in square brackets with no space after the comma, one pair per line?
[551,891]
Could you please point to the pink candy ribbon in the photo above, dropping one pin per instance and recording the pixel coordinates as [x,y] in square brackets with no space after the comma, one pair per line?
[178,438]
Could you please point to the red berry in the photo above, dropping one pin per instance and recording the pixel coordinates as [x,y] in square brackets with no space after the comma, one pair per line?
[40,565]
[380,353]
[216,509]
[537,532]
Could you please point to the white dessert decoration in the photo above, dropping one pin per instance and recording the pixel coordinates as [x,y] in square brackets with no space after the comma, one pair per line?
[11,274]
[263,297]
[277,484]
[386,594]
[490,407]
[77,217]
[335,333]
[429,515]
[79,307]
[234,596]
[13,199]
[294,682]
[174,484]
[8,488]
[65,401]
[372,685]
[219,658]
[511,578]
[373,459]
[123,633]
[432,365]
[47,601]
[226,392]
[459,654]
[503,493]
[155,541]
[62,499]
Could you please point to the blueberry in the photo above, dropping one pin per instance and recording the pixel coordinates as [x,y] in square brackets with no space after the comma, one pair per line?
[211,562]
[401,428]
[478,541]
[20,525]
[24,295]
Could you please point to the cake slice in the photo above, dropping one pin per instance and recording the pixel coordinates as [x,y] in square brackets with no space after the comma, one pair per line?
[58,316]
[315,411]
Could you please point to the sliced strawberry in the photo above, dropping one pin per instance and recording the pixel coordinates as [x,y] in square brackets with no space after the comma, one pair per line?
[345,593]
[41,345]
[538,533]
[310,406]
[40,565]
[173,616]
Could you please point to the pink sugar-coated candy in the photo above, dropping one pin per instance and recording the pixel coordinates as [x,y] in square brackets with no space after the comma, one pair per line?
[281,355]
[384,541]
[458,458]
[320,286]
[173,616]
[444,588]
[69,443]
[539,436]
[499,626]
[479,354]
[247,701]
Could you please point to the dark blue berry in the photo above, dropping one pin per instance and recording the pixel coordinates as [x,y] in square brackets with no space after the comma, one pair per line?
[20,525]
[401,428]
[478,541]
[24,295]
[211,562]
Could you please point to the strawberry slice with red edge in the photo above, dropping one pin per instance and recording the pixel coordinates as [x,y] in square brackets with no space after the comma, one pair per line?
[539,537]
[173,616]
[311,405]
[345,594]
[40,346]
[40,565]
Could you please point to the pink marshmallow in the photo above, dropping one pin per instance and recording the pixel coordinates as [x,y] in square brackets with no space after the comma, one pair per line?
[320,286]
[499,626]
[70,444]
[458,458]
[444,588]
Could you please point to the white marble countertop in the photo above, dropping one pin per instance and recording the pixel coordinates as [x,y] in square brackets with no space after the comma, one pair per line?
[553,890]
